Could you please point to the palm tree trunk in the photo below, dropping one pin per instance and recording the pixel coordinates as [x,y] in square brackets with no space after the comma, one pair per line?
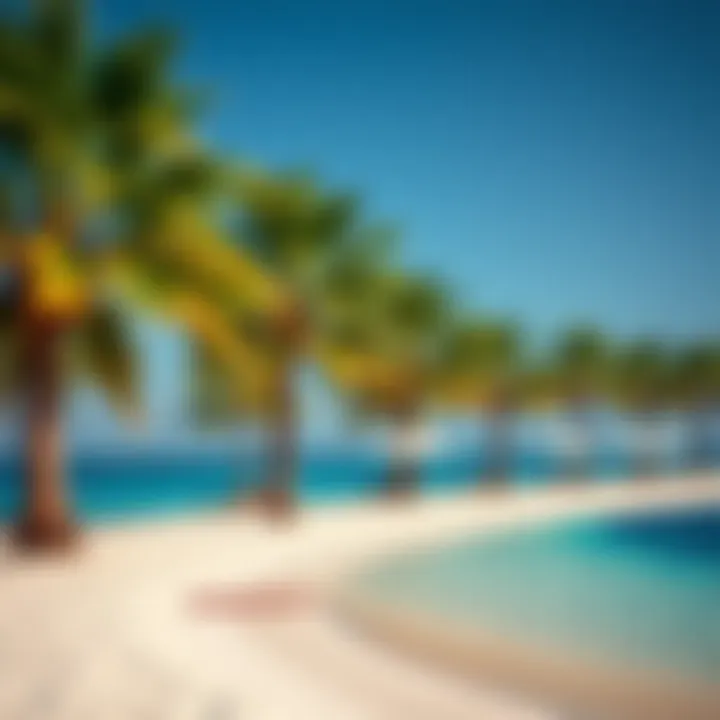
[646,462]
[577,464]
[402,480]
[497,469]
[46,522]
[699,452]
[278,495]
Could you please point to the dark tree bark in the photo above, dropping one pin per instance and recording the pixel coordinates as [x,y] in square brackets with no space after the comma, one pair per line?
[646,463]
[403,474]
[278,495]
[498,468]
[700,453]
[402,479]
[46,523]
[578,465]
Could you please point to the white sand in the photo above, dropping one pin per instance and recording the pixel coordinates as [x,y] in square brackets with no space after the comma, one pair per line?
[111,634]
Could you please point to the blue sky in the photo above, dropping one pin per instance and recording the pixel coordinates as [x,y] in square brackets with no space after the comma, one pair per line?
[554,160]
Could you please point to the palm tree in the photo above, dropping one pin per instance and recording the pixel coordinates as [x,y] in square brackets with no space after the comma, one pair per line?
[384,357]
[580,365]
[696,391]
[481,372]
[108,193]
[295,232]
[641,379]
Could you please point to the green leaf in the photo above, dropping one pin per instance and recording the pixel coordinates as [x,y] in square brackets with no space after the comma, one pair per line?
[109,357]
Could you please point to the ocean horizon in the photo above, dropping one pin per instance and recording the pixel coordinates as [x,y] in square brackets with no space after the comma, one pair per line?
[116,485]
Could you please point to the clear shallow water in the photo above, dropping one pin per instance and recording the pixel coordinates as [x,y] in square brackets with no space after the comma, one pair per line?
[637,592]
[122,487]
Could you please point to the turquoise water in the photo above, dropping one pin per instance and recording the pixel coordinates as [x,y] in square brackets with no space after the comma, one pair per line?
[639,592]
[125,486]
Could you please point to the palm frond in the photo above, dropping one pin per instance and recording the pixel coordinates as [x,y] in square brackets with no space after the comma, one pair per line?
[108,356]
[59,29]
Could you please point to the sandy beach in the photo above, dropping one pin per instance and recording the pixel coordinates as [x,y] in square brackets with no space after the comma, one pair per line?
[121,629]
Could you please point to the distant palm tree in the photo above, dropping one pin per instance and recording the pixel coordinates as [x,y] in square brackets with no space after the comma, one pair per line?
[641,379]
[295,232]
[581,368]
[696,394]
[481,372]
[104,192]
[384,359]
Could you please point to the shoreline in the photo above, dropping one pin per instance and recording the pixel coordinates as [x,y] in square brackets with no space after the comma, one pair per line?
[134,584]
[582,686]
